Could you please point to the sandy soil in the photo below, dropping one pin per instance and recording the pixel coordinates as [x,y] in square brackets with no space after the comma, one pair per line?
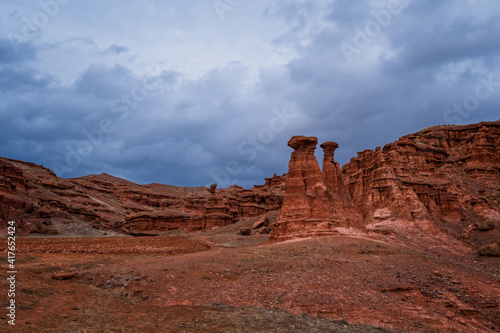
[217,282]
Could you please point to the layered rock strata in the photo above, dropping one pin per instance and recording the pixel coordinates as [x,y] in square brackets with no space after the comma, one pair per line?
[441,179]
[217,214]
[342,210]
[41,202]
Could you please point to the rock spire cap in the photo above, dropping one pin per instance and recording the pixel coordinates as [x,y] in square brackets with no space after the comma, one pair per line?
[301,142]
[329,147]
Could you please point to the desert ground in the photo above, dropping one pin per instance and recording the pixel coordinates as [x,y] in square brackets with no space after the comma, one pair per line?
[220,281]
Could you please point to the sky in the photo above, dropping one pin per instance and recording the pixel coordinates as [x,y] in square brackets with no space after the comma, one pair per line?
[196,92]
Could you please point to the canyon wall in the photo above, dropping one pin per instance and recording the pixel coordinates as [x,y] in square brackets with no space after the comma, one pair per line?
[441,179]
[41,202]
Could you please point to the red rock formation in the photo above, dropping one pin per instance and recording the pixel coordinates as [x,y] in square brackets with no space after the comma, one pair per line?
[307,196]
[444,177]
[490,250]
[162,220]
[342,210]
[315,202]
[217,214]
[27,195]
[41,202]
[277,182]
[441,180]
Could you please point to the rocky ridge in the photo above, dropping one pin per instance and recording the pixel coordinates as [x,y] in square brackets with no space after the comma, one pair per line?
[441,180]
[444,180]
[43,203]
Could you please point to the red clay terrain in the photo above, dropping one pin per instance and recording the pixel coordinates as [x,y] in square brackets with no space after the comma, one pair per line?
[221,282]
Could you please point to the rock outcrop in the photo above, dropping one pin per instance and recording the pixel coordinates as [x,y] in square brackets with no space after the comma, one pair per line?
[315,201]
[490,250]
[444,178]
[217,214]
[306,196]
[342,210]
[162,220]
[41,202]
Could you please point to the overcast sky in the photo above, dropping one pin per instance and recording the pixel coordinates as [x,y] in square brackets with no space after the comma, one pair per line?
[195,92]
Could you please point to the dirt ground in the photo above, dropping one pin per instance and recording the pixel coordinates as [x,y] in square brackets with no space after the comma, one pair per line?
[208,282]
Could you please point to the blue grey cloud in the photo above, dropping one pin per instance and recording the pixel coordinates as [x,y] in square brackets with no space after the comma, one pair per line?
[8,54]
[170,93]
[117,49]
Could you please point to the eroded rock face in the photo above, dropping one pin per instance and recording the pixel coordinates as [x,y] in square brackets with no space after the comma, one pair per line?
[217,214]
[315,201]
[342,210]
[444,177]
[306,193]
[490,250]
[441,180]
[41,202]
[162,220]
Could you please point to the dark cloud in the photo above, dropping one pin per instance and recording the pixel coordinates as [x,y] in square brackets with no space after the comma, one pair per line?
[105,83]
[347,13]
[11,52]
[22,78]
[117,49]
[447,37]
[78,108]
[367,104]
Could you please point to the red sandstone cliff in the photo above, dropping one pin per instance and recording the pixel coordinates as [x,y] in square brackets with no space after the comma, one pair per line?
[41,202]
[441,184]
[441,179]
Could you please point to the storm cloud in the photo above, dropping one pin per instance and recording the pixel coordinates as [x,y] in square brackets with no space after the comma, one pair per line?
[192,93]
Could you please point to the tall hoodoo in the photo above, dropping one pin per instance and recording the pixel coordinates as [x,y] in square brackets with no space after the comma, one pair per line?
[307,197]
[331,169]
[315,201]
[342,210]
